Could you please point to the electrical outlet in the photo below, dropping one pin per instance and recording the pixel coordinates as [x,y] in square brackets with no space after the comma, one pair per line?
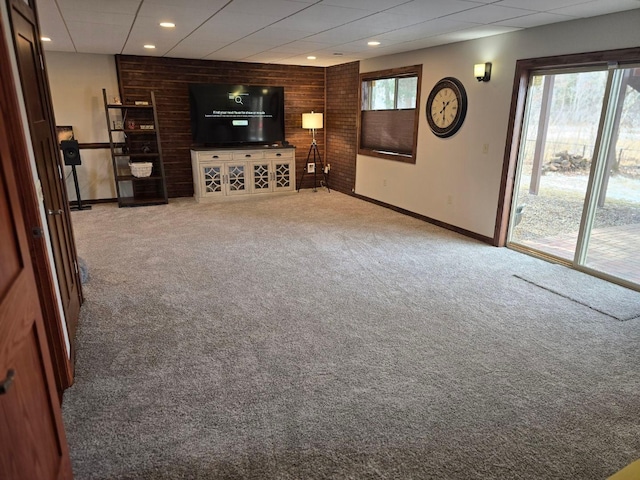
[384,182]
[485,148]
[449,200]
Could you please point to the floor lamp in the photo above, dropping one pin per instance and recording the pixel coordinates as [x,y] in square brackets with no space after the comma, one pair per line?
[313,121]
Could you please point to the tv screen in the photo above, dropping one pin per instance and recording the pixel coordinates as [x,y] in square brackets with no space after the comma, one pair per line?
[236,114]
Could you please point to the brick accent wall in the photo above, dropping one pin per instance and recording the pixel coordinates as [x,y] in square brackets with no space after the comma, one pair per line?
[341,124]
[304,91]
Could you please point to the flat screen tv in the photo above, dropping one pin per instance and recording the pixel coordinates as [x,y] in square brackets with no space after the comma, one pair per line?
[223,114]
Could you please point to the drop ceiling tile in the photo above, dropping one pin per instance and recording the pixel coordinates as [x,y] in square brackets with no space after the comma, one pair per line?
[241,49]
[318,18]
[56,46]
[489,14]
[534,20]
[370,5]
[163,40]
[592,9]
[479,31]
[186,19]
[420,44]
[97,7]
[198,45]
[384,22]
[266,57]
[211,5]
[304,61]
[98,37]
[138,49]
[110,18]
[279,8]
[347,48]
[240,23]
[273,35]
[195,51]
[363,28]
[425,29]
[223,57]
[431,9]
[52,26]
[300,47]
[538,5]
[341,34]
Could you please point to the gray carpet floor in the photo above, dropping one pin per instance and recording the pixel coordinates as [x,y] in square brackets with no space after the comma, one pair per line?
[614,300]
[314,336]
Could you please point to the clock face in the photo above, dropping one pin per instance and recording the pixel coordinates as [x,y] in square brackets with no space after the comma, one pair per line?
[446,107]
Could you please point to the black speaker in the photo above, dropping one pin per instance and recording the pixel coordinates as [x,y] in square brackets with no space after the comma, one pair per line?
[70,152]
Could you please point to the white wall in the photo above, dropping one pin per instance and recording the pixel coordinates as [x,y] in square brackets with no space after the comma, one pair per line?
[76,82]
[452,180]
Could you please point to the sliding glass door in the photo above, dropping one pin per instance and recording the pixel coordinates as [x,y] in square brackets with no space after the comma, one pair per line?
[577,190]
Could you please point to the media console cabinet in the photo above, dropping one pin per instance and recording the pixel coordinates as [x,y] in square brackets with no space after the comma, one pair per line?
[223,172]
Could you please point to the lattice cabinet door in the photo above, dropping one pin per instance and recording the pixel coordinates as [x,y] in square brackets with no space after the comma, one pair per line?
[261,177]
[282,168]
[236,179]
[221,179]
[283,175]
[212,179]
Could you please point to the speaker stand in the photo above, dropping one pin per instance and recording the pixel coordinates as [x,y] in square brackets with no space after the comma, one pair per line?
[79,206]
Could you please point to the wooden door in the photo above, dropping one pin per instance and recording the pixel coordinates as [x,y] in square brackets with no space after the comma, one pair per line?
[32,439]
[37,100]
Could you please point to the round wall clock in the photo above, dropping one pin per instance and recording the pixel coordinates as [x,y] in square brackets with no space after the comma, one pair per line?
[446,107]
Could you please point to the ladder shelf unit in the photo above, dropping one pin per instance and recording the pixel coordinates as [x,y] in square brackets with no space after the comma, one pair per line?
[134,138]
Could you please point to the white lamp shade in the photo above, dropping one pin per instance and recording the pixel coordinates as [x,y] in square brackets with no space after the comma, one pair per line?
[312,120]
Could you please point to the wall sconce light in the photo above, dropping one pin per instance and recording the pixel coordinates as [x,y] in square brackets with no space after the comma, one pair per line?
[482,71]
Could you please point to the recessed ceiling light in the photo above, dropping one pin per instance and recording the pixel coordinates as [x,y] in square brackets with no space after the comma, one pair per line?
[311,57]
[45,39]
[167,24]
[150,46]
[373,43]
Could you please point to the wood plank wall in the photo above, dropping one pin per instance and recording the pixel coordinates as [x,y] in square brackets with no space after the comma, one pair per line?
[169,78]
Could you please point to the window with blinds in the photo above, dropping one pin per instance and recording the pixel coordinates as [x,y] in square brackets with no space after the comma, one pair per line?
[389,106]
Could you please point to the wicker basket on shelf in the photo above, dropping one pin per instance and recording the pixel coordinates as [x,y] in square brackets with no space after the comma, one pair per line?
[141,169]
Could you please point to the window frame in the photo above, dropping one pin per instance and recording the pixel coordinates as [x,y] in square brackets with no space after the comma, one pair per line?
[396,73]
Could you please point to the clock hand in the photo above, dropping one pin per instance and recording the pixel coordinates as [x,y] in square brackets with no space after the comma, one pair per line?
[444,105]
